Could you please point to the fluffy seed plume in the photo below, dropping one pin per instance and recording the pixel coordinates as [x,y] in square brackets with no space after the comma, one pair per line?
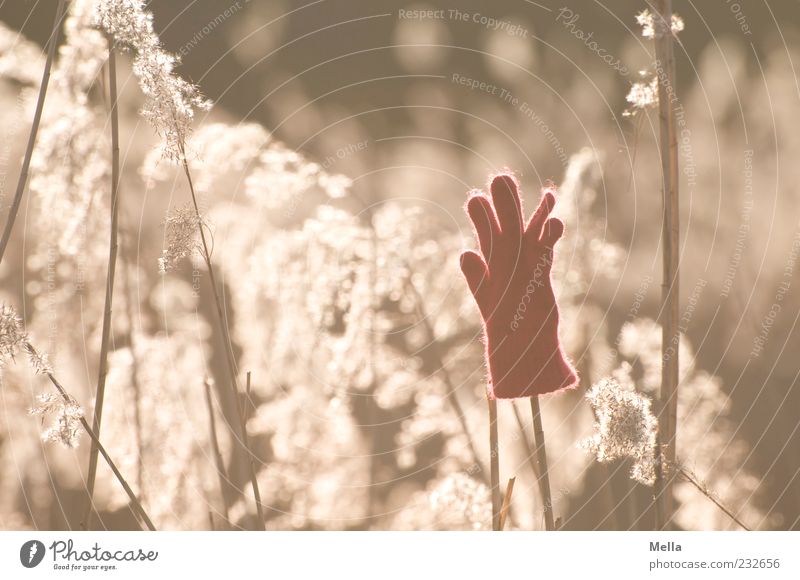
[39,361]
[13,339]
[12,336]
[171,101]
[643,95]
[66,427]
[181,228]
[650,26]
[625,428]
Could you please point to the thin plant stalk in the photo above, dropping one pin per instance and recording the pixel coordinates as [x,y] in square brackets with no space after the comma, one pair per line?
[541,458]
[701,487]
[506,503]
[494,460]
[529,452]
[226,339]
[436,348]
[659,484]
[37,118]
[112,266]
[668,146]
[220,463]
[138,509]
[250,455]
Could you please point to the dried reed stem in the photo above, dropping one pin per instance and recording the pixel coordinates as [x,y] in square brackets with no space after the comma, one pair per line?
[530,454]
[37,118]
[251,457]
[506,502]
[703,488]
[541,459]
[668,146]
[659,483]
[226,339]
[139,510]
[494,460]
[220,463]
[86,524]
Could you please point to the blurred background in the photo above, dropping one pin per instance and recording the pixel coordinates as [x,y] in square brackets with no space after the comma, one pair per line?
[333,170]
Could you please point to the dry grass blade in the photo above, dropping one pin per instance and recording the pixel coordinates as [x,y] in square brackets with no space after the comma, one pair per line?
[37,118]
[222,323]
[220,463]
[137,506]
[668,146]
[529,452]
[494,457]
[250,455]
[541,458]
[112,265]
[506,502]
[702,488]
[659,485]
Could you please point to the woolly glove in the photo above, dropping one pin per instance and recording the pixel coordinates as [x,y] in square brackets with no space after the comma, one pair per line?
[510,280]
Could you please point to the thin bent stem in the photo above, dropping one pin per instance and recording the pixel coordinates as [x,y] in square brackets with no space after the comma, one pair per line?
[212,427]
[534,460]
[702,488]
[452,396]
[139,510]
[226,339]
[506,503]
[37,118]
[668,149]
[659,483]
[112,266]
[541,457]
[250,455]
[494,457]
[529,452]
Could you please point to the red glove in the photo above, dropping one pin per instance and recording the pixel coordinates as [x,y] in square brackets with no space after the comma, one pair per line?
[511,284]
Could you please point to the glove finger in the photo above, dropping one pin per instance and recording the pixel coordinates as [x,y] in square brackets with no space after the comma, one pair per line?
[477,274]
[482,215]
[534,228]
[508,205]
[552,231]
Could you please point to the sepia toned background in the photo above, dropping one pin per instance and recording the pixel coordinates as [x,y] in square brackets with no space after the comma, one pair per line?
[332,171]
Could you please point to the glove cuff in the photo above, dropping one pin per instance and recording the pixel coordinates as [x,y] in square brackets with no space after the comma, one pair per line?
[534,375]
